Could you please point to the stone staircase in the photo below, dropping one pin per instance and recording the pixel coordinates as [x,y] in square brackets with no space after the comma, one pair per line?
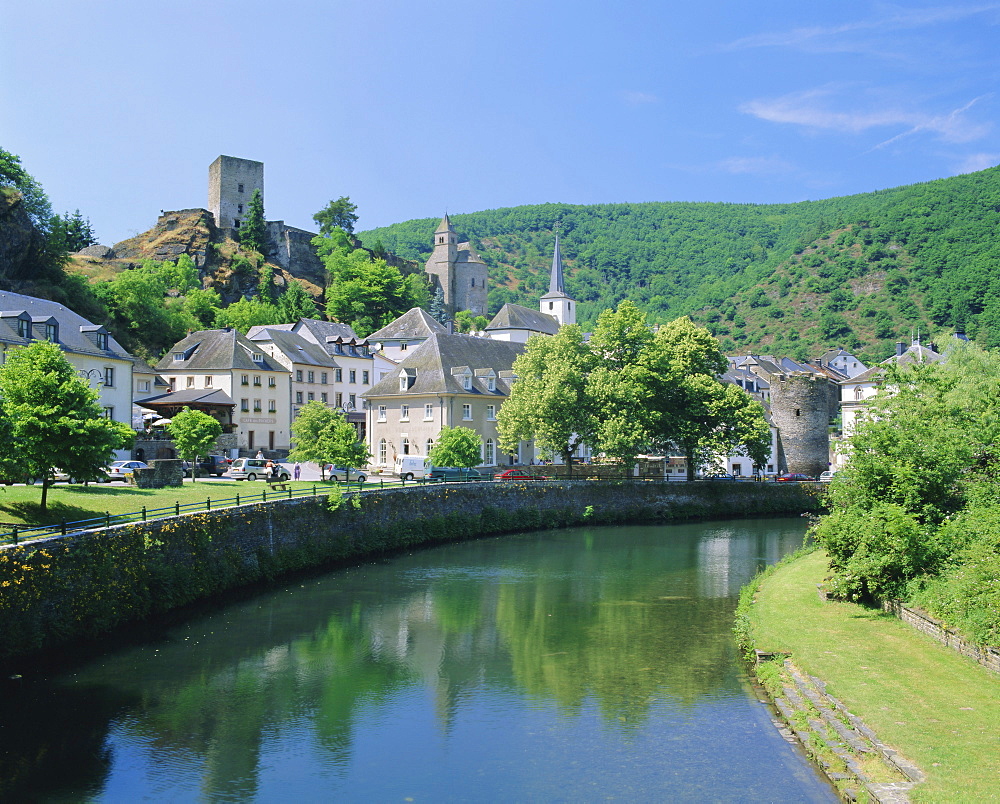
[849,752]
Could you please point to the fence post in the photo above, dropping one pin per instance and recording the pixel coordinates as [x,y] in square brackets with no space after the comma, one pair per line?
[177,508]
[263,495]
[15,534]
[144,513]
[208,504]
[62,527]
[237,499]
[107,519]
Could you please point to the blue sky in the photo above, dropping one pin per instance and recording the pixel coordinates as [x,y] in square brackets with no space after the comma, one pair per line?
[417,107]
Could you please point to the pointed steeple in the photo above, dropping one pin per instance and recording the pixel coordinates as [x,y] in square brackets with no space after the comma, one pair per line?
[445,225]
[556,276]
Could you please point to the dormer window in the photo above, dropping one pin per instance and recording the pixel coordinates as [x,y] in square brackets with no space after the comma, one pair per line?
[24,328]
[178,357]
[404,383]
[491,383]
[257,357]
[467,382]
[102,340]
[51,332]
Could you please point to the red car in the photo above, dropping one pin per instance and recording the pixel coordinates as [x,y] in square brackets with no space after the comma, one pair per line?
[793,476]
[518,474]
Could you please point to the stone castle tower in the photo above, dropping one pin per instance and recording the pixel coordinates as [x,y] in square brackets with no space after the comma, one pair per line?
[556,303]
[231,182]
[458,270]
[800,408]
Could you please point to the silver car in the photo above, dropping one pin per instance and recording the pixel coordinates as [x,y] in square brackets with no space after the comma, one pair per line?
[120,469]
[343,473]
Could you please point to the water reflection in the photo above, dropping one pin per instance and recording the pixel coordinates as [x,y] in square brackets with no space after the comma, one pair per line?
[550,665]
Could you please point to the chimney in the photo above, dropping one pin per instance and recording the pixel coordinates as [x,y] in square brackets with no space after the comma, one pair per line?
[900,348]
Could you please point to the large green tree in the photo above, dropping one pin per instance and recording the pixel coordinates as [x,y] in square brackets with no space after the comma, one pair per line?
[457,446]
[54,417]
[550,400]
[323,435]
[194,433]
[339,214]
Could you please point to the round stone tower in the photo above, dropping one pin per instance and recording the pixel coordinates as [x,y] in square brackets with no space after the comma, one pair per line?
[800,407]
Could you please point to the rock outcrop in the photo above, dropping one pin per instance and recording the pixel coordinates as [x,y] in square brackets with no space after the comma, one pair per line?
[21,244]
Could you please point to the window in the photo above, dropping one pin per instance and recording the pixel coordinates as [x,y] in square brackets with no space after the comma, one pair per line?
[102,340]
[310,376]
[353,376]
[272,406]
[551,305]
[24,330]
[173,384]
[402,346]
[488,452]
[239,188]
[473,281]
[404,383]
[298,397]
[310,396]
[491,413]
[256,380]
[51,332]
[143,386]
[428,412]
[298,375]
[339,400]
[381,413]
[467,382]
[256,405]
[406,445]
[491,384]
[109,413]
[338,349]
[271,382]
[338,375]
[429,446]
[322,378]
[404,413]
[245,405]
[236,223]
[858,393]
[737,469]
[352,401]
[245,379]
[364,378]
[382,450]
[109,376]
[323,397]
[208,380]
[190,382]
[467,412]
[257,357]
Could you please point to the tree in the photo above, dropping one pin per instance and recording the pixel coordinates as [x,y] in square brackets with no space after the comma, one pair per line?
[296,303]
[550,402]
[438,311]
[54,417]
[253,231]
[339,214]
[194,434]
[365,293]
[457,446]
[72,232]
[323,435]
[33,197]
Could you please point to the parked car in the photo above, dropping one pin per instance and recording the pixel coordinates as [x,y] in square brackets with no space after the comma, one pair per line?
[343,473]
[446,473]
[408,467]
[720,476]
[209,465]
[793,476]
[257,469]
[519,474]
[120,470]
[827,476]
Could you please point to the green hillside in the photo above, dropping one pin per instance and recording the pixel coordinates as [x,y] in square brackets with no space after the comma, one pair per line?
[859,271]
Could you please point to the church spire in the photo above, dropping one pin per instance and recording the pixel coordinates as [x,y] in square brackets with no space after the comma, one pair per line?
[556,276]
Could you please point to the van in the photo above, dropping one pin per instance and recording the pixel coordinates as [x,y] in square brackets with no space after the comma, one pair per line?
[408,467]
[254,468]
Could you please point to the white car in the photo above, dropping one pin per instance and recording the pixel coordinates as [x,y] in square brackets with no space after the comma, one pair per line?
[120,469]
[827,476]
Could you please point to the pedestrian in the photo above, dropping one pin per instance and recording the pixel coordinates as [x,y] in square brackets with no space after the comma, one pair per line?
[296,470]
[260,453]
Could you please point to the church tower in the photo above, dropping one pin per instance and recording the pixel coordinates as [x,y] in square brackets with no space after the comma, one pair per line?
[459,270]
[556,303]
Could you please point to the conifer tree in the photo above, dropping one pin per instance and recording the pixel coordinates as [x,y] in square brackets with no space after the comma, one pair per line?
[253,232]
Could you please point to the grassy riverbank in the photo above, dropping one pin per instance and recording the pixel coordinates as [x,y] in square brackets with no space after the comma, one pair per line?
[936,707]
[19,505]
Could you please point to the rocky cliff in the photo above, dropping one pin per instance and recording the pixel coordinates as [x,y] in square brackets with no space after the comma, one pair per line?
[21,244]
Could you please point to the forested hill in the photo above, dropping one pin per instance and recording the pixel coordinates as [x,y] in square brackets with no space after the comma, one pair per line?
[858,271]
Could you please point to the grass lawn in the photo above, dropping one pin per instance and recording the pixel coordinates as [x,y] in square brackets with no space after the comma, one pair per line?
[937,708]
[72,502]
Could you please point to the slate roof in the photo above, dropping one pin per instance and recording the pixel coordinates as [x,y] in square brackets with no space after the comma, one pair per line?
[917,353]
[432,363]
[189,396]
[217,350]
[294,346]
[514,316]
[76,334]
[414,323]
[322,331]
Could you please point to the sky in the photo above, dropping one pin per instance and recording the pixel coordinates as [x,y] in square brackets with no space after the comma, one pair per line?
[415,108]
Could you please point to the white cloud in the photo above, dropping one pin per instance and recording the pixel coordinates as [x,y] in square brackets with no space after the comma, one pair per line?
[818,109]
[973,162]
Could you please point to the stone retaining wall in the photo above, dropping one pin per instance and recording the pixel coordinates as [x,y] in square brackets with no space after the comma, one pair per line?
[987,656]
[81,585]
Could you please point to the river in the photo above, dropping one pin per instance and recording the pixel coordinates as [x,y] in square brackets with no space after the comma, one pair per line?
[583,664]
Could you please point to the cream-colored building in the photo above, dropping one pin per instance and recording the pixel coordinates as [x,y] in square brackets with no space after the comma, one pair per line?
[88,347]
[238,373]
